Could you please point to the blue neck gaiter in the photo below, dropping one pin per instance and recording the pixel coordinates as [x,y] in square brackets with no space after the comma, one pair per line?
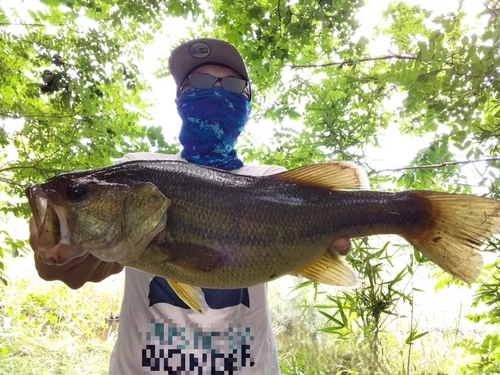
[212,120]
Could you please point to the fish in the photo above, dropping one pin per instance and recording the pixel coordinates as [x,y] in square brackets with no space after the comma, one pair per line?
[200,227]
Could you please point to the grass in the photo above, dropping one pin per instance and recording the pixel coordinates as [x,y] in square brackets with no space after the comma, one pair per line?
[51,329]
[305,351]
[47,328]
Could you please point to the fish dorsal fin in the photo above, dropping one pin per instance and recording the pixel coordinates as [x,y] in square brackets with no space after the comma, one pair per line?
[331,269]
[341,175]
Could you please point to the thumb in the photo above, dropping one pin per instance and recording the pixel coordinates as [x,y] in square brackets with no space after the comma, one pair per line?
[33,234]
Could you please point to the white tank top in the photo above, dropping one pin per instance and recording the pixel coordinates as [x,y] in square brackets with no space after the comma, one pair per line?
[159,334]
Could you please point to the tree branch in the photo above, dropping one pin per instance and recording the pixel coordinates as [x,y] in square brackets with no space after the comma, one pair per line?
[445,164]
[27,24]
[38,25]
[12,182]
[278,11]
[6,169]
[351,61]
[493,12]
[10,115]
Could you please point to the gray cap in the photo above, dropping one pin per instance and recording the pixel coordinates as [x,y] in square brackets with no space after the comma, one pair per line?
[194,53]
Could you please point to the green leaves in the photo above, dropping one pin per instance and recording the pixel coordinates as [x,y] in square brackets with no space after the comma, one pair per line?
[10,247]
[487,354]
[414,336]
[316,80]
[70,95]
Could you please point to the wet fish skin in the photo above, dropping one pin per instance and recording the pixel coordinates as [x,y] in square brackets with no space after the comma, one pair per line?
[274,253]
[227,231]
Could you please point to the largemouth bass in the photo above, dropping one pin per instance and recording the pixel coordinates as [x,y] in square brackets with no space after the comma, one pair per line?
[202,227]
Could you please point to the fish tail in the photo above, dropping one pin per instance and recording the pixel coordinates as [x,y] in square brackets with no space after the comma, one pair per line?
[454,229]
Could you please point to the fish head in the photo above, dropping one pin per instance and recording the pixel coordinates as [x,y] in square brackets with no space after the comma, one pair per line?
[114,221]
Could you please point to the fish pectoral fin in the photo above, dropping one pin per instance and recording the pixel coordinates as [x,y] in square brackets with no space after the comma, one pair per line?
[192,296]
[197,257]
[341,175]
[331,269]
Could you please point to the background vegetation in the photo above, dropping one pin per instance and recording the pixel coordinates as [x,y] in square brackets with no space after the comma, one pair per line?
[74,95]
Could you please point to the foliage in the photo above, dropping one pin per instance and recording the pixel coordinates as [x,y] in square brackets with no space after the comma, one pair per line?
[72,88]
[487,350]
[71,91]
[306,348]
[451,87]
[11,246]
[70,94]
[47,328]
[446,69]
[370,308]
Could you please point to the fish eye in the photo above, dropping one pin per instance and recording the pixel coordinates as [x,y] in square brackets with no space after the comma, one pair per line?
[76,192]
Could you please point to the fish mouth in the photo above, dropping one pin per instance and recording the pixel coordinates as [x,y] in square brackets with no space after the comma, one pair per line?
[52,235]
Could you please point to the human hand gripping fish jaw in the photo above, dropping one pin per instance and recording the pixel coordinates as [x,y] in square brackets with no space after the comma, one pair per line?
[202,227]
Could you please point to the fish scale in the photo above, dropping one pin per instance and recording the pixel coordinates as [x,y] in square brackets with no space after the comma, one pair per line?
[256,223]
[202,227]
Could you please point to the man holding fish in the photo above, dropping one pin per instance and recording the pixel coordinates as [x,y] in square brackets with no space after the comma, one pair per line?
[159,332]
[200,238]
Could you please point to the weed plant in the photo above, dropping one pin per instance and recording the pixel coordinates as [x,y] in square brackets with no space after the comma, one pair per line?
[48,329]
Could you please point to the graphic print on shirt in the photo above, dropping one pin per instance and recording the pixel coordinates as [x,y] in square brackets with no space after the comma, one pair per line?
[192,349]
[161,292]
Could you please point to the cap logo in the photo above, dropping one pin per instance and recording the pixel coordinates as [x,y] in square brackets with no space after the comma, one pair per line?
[199,50]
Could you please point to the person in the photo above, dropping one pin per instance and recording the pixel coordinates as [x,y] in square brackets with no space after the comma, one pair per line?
[158,333]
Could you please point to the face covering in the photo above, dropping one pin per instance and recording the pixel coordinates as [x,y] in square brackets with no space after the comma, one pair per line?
[212,120]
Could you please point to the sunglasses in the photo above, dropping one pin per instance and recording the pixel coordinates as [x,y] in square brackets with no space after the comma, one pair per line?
[207,81]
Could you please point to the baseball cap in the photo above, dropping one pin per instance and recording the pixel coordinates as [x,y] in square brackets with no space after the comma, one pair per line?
[194,53]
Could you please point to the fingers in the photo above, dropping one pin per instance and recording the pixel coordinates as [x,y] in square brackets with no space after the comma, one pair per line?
[341,245]
[53,272]
[76,272]
[33,234]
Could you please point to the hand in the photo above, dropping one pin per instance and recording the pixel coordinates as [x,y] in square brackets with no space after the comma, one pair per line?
[76,272]
[341,245]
